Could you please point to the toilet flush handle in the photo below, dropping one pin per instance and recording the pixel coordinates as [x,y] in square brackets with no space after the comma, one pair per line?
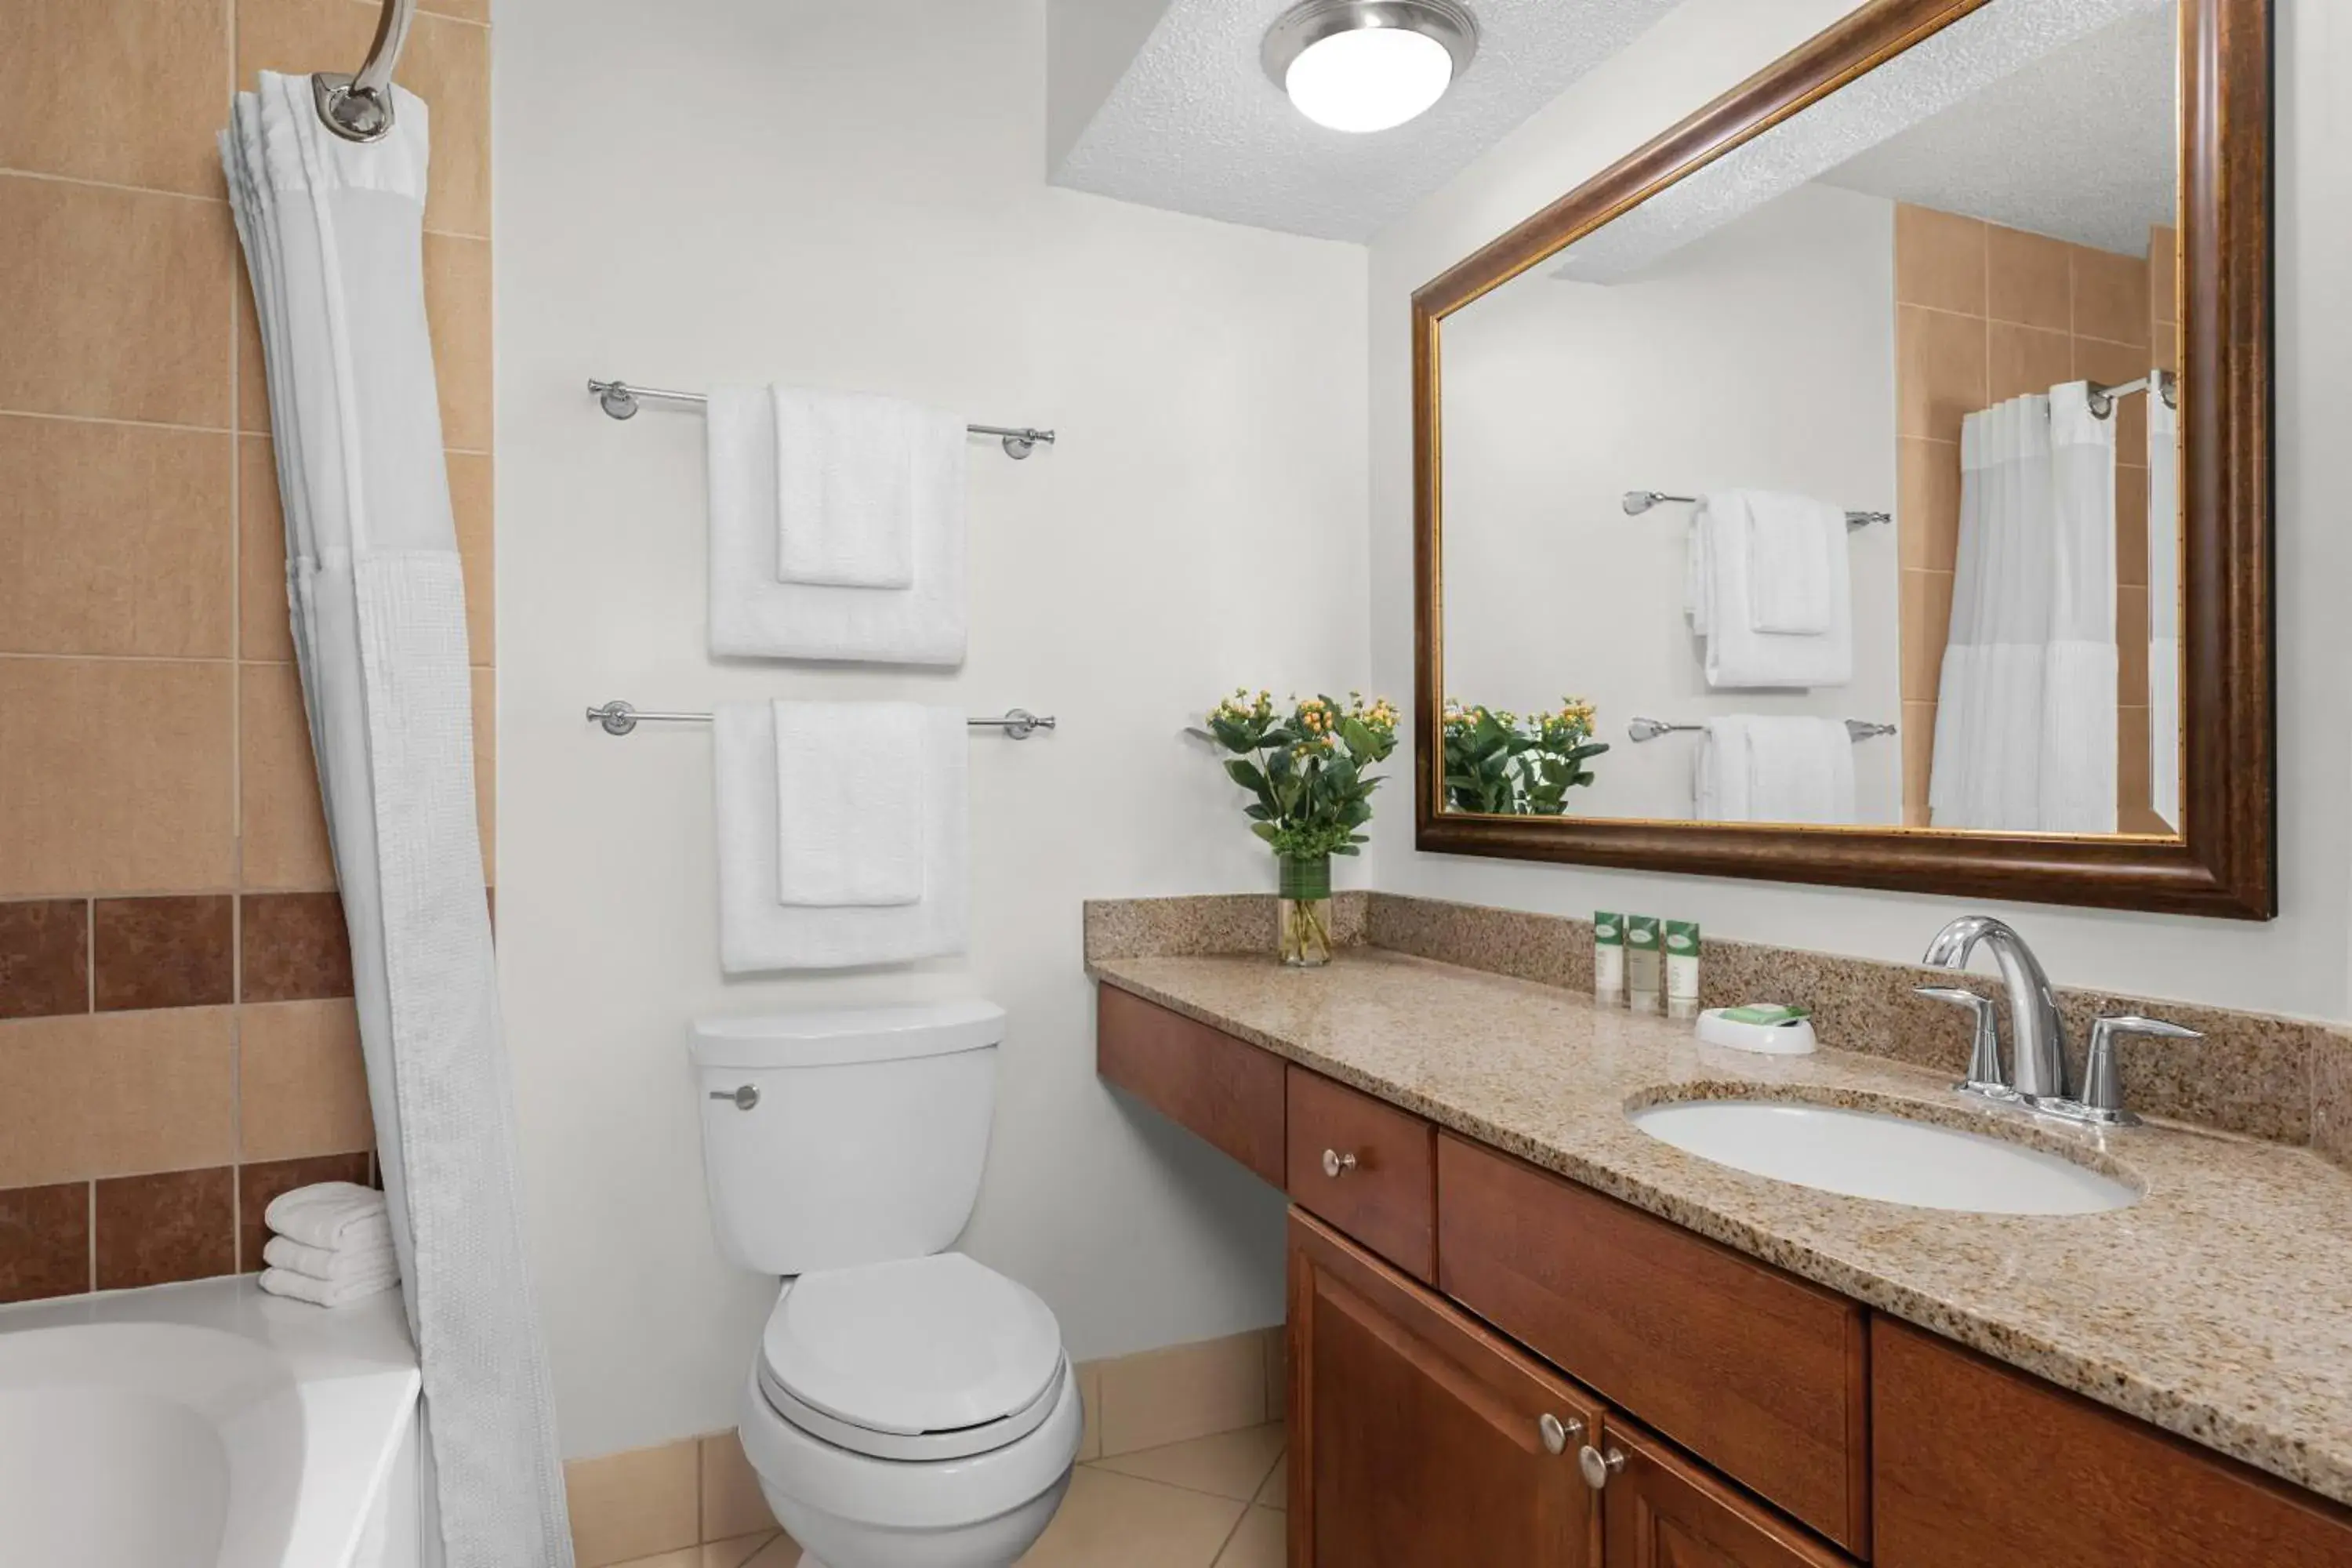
[745,1098]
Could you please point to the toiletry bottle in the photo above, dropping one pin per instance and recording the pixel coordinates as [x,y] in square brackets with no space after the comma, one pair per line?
[1682,969]
[1642,977]
[1608,959]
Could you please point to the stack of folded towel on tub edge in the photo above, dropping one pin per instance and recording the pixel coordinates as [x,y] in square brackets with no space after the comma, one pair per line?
[329,1244]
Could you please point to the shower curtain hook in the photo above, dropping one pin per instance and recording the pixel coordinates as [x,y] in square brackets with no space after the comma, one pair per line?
[357,108]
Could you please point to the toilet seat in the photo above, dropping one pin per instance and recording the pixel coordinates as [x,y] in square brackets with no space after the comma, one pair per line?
[935,1358]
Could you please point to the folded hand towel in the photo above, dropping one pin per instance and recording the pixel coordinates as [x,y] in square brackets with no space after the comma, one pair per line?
[330,1213]
[753,612]
[1722,771]
[1796,563]
[1800,770]
[336,1265]
[321,1292]
[849,802]
[757,931]
[846,488]
[1737,654]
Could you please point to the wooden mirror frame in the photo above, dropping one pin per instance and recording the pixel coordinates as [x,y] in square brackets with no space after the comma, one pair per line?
[2226,863]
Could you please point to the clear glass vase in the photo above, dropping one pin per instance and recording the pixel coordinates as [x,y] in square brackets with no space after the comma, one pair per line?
[1303,912]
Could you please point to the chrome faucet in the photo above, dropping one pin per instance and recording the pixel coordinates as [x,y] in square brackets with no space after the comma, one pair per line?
[2037,1037]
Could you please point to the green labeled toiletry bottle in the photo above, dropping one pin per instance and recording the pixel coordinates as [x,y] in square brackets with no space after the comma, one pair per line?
[1682,969]
[1644,990]
[1608,959]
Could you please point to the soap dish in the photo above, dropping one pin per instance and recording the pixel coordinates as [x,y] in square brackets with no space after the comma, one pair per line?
[1790,1039]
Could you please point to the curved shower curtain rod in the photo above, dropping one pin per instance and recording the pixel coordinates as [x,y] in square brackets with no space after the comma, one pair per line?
[359,108]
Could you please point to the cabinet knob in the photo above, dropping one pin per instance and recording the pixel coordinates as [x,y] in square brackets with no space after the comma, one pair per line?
[1597,1470]
[1558,1434]
[1338,1164]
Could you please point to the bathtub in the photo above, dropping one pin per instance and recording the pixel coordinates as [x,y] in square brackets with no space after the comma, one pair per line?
[207,1425]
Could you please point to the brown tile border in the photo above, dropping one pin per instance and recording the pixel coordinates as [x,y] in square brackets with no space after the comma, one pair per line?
[43,957]
[295,947]
[159,1229]
[257,1185]
[45,1242]
[163,952]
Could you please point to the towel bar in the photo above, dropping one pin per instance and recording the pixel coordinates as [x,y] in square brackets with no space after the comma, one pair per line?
[619,399]
[620,718]
[1639,502]
[1640,730]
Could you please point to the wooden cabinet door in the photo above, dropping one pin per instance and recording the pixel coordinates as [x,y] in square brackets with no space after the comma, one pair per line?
[1663,1510]
[1418,1438]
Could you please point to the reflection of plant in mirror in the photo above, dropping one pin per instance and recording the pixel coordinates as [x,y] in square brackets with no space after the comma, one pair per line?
[1500,764]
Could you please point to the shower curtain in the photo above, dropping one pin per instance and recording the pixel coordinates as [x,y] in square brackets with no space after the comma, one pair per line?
[2163,603]
[332,233]
[2025,716]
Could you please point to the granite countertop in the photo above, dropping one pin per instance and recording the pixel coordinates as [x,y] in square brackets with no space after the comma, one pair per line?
[2217,1306]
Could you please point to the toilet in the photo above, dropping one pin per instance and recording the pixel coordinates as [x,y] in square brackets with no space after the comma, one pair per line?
[906,1407]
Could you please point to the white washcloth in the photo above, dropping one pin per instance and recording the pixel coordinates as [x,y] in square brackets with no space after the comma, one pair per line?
[846,488]
[758,931]
[1796,563]
[1800,770]
[323,1292]
[1716,596]
[335,1265]
[753,612]
[333,1215]
[849,802]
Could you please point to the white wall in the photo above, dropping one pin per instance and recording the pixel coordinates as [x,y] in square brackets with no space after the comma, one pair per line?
[2296,964]
[853,195]
[1761,356]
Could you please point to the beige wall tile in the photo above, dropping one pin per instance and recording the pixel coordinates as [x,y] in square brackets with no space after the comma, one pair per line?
[1183,1392]
[485,769]
[2133,768]
[733,1504]
[2131,524]
[114,538]
[634,1504]
[112,1094]
[457,300]
[115,776]
[1927,620]
[1918,760]
[470,500]
[118,302]
[1940,371]
[464,10]
[2110,296]
[285,829]
[265,632]
[301,1084]
[2164,275]
[2026,359]
[2027,279]
[2164,349]
[2131,646]
[121,90]
[1939,260]
[252,373]
[1927,503]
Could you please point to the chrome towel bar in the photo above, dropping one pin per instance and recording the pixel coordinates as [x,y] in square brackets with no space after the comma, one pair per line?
[1651,729]
[619,399]
[620,718]
[1639,502]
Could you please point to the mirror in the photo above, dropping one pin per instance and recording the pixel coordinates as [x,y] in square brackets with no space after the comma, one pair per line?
[1836,483]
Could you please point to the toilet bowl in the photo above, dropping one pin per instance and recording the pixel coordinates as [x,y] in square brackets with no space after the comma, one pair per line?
[906,1407]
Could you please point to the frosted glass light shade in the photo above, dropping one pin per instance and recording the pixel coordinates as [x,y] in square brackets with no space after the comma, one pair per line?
[1368,79]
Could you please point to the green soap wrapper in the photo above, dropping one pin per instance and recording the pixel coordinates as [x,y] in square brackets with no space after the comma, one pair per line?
[1764,1013]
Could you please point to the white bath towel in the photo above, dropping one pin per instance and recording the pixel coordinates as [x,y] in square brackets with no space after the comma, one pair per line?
[758,931]
[324,1292]
[754,613]
[1797,568]
[331,1214]
[846,489]
[1721,768]
[335,1265]
[1800,769]
[1716,595]
[850,778]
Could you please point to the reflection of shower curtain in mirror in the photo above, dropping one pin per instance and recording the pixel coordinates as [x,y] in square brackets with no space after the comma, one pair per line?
[2164,606]
[2025,716]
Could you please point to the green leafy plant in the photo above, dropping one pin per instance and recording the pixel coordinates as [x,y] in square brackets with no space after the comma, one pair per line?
[1500,764]
[1305,770]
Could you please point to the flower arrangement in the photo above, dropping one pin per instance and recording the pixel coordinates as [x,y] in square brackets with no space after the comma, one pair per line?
[1499,764]
[1310,793]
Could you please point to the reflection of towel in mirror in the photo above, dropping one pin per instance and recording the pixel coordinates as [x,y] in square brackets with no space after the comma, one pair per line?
[1743,582]
[1754,768]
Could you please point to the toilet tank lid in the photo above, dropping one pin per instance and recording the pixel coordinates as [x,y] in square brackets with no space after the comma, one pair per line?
[828,1036]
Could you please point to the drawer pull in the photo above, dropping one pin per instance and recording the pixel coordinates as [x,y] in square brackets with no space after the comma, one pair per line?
[1597,1470]
[1558,1434]
[1336,1165]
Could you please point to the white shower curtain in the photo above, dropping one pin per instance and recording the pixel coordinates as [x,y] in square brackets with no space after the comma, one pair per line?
[333,234]
[2163,603]
[2025,716]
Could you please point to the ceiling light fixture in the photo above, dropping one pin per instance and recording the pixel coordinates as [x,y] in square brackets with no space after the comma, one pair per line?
[1367,65]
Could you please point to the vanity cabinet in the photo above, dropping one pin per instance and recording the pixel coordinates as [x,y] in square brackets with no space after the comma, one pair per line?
[1661,1509]
[1367,1167]
[1220,1089]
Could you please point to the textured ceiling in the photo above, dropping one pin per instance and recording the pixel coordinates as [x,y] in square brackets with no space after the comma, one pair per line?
[2079,145]
[1985,49]
[1195,125]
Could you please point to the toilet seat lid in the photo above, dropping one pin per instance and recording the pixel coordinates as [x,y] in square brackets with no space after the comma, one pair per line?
[916,1345]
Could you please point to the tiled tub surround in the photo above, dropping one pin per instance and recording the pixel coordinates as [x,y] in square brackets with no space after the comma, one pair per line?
[2219,1306]
[176,1037]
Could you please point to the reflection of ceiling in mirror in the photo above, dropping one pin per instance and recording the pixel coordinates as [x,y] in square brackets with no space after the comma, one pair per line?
[2079,145]
[1974,54]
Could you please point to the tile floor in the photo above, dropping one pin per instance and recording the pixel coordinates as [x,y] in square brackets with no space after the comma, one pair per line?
[1213,1502]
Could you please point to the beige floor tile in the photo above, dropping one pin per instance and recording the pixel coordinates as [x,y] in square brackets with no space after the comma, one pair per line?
[116,1094]
[1090,1405]
[733,1504]
[1118,1521]
[1276,1492]
[771,1547]
[1184,1392]
[1230,1465]
[300,1083]
[283,826]
[1260,1540]
[635,1504]
[118,90]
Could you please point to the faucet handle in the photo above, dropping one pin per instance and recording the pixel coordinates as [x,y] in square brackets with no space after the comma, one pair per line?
[1985,1076]
[2103,1088]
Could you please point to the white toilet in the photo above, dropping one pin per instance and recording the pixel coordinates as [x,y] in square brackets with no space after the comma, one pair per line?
[908,1407]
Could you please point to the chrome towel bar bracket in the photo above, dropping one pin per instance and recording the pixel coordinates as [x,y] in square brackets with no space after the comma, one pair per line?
[619,718]
[620,400]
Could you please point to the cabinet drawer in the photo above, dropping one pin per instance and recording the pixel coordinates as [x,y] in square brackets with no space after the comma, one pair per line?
[1226,1090]
[1759,1374]
[1384,1195]
[1977,1464]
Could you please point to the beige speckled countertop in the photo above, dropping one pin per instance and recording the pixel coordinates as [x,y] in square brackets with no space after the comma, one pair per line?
[2217,1306]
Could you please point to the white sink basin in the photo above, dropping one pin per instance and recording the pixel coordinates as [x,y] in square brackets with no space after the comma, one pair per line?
[1890,1158]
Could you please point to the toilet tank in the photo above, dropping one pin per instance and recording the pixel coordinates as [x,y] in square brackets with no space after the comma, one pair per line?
[844,1135]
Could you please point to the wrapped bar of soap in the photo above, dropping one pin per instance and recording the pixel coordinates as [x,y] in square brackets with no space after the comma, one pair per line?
[1768,1027]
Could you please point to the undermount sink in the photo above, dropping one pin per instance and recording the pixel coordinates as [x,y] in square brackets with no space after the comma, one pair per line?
[1892,1159]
